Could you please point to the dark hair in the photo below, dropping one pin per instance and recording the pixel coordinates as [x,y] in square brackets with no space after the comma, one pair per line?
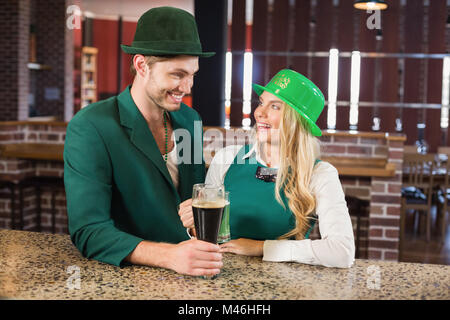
[150,60]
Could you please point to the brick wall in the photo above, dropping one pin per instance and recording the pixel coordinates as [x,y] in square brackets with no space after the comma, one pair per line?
[69,65]
[49,92]
[15,169]
[379,223]
[50,22]
[384,230]
[359,187]
[379,237]
[14,73]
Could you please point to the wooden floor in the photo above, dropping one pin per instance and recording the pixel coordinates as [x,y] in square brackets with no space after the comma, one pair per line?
[417,249]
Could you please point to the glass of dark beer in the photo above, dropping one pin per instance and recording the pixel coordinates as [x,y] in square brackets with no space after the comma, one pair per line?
[208,202]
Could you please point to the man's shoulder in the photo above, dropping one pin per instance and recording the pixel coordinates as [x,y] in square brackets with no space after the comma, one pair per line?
[188,112]
[96,111]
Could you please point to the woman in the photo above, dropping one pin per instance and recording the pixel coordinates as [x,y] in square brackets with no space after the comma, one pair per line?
[279,187]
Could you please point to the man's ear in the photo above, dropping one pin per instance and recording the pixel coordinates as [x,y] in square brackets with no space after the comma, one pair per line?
[140,65]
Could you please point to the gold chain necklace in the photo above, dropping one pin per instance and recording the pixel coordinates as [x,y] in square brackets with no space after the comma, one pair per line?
[166,137]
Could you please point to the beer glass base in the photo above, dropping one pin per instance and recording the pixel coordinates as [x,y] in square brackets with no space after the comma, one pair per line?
[223,239]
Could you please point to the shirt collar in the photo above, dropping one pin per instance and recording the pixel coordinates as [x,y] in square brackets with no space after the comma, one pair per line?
[254,151]
[250,153]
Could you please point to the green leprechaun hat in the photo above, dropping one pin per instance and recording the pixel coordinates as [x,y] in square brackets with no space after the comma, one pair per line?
[166,31]
[299,93]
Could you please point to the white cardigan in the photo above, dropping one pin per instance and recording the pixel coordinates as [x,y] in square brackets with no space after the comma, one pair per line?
[336,248]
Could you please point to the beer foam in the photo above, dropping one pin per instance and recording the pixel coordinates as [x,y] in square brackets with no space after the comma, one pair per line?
[215,204]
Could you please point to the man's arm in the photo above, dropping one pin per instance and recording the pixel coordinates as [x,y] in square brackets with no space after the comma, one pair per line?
[88,182]
[192,257]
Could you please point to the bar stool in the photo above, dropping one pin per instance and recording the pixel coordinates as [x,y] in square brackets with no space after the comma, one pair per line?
[12,185]
[357,207]
[54,184]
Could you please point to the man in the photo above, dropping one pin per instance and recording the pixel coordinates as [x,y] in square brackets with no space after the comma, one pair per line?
[122,179]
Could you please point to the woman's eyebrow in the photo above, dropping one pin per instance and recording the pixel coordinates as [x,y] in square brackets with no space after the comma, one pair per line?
[271,101]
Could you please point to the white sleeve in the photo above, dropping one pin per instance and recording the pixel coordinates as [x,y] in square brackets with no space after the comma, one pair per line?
[220,164]
[336,248]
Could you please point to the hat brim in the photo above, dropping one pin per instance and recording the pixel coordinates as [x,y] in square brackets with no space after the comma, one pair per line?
[315,130]
[145,51]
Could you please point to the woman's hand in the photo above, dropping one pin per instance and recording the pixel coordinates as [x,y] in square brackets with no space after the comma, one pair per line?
[246,247]
[186,214]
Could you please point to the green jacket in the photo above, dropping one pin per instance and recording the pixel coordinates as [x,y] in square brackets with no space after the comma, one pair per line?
[118,188]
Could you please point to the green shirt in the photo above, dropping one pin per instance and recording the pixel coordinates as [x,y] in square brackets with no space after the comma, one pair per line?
[254,211]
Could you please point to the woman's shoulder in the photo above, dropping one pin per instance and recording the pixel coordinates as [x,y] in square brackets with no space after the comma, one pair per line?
[323,169]
[227,154]
[325,177]
[220,163]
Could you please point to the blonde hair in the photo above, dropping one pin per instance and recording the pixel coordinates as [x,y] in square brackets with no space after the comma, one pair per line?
[299,150]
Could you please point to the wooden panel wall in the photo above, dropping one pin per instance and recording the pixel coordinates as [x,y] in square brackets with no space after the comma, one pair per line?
[237,44]
[325,24]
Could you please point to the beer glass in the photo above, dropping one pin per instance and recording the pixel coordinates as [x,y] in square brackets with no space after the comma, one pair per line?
[208,202]
[224,231]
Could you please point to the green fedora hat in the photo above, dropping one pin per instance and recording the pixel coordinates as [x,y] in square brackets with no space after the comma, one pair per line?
[298,92]
[166,31]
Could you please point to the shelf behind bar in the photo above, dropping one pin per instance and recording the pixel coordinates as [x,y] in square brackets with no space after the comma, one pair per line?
[326,54]
[365,104]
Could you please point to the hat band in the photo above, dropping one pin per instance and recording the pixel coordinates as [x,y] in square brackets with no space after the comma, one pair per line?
[302,106]
[169,45]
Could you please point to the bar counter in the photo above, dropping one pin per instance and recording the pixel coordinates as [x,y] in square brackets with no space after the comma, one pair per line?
[346,166]
[47,266]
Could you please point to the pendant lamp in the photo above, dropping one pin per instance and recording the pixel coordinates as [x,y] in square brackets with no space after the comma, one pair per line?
[370,5]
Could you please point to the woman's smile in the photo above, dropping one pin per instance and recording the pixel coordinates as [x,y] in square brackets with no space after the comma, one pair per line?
[261,126]
[268,117]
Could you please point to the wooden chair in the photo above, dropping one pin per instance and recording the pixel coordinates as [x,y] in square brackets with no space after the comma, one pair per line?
[443,200]
[444,150]
[443,195]
[417,189]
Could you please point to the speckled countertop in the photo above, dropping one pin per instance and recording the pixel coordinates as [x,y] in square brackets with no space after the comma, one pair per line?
[45,266]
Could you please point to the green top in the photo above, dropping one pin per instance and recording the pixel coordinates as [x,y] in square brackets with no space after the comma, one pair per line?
[254,211]
[118,188]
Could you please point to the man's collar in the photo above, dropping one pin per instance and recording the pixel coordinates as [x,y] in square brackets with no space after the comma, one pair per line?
[127,108]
